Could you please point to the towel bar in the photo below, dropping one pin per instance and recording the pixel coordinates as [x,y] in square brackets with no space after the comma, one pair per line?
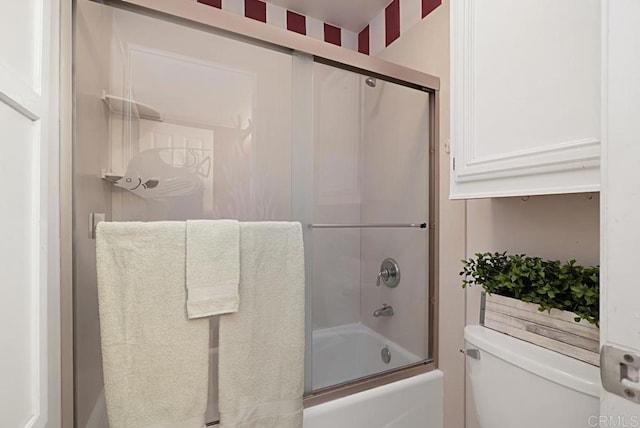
[356,225]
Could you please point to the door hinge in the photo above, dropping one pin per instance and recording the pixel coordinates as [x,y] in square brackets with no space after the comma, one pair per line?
[454,164]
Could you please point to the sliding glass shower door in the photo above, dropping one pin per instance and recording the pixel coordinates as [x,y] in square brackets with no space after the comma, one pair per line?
[177,123]
[369,208]
[172,123]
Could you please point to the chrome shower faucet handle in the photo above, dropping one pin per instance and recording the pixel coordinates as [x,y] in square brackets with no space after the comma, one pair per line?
[389,273]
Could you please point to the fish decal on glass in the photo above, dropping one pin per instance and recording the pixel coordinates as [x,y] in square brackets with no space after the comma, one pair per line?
[166,172]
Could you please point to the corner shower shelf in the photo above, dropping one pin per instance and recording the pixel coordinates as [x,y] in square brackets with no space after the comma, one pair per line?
[124,106]
[111,177]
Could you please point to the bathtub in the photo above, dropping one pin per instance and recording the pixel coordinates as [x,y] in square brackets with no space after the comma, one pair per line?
[349,352]
[416,402]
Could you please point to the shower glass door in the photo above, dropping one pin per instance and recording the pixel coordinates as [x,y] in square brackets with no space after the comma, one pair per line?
[172,123]
[177,123]
[369,203]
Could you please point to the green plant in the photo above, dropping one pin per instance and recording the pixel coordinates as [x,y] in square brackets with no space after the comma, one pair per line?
[550,284]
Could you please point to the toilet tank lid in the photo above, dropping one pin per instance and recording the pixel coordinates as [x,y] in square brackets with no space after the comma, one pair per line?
[564,370]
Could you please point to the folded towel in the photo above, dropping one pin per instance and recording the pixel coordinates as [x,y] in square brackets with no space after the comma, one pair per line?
[213,267]
[155,359]
[261,347]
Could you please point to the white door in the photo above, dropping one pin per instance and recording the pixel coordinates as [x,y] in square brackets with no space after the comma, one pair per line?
[29,242]
[620,220]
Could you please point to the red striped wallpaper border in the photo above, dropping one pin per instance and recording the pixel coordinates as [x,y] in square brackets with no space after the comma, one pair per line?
[332,34]
[214,3]
[429,6]
[393,21]
[363,41]
[296,22]
[255,9]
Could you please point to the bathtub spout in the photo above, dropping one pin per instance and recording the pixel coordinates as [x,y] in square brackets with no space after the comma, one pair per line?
[384,311]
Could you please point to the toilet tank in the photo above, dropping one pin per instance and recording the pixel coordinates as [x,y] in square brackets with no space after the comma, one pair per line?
[517,384]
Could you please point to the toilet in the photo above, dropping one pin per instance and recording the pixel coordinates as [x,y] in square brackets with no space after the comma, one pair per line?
[517,384]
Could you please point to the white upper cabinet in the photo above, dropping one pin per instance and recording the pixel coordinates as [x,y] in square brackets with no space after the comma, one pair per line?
[525,85]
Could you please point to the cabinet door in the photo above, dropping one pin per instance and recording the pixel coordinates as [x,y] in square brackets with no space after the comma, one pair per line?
[29,231]
[525,97]
[619,326]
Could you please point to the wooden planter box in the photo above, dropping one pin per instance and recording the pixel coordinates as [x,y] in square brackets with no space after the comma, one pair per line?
[556,331]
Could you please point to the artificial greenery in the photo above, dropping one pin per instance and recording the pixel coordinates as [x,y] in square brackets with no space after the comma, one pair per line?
[550,284]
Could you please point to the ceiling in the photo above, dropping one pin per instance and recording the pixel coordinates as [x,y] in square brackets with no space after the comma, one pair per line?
[352,15]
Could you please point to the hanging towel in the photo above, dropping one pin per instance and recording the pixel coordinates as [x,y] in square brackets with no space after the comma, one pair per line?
[213,267]
[261,347]
[155,359]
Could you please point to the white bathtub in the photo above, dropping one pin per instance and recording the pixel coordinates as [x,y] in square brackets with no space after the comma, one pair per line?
[416,402]
[349,352]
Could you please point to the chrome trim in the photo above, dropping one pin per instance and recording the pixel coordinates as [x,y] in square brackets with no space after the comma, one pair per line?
[366,225]
[348,388]
[471,353]
[384,311]
[389,273]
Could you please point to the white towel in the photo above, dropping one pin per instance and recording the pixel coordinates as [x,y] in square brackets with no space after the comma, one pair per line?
[155,359]
[261,347]
[213,267]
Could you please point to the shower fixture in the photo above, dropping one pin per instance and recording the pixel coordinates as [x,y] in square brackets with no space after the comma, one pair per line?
[389,273]
[385,354]
[384,311]
[371,81]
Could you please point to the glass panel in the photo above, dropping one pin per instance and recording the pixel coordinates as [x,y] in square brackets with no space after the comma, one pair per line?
[172,123]
[371,158]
